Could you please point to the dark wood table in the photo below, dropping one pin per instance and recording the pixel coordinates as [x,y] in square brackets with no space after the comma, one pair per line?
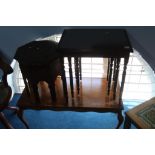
[107,43]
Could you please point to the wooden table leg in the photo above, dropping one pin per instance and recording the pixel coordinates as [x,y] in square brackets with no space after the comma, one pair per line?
[110,74]
[64,79]
[123,76]
[108,69]
[5,121]
[21,117]
[114,69]
[127,122]
[71,76]
[120,119]
[117,65]
[80,68]
[77,74]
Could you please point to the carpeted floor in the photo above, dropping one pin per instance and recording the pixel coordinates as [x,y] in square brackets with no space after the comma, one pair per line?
[46,119]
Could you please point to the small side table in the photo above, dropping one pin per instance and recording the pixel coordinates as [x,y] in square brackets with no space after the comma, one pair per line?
[105,43]
[38,61]
[142,116]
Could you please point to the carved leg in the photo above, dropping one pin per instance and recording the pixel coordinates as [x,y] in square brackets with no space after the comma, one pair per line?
[120,119]
[64,79]
[80,68]
[71,76]
[123,76]
[108,69]
[20,115]
[110,74]
[127,123]
[5,121]
[77,74]
[116,76]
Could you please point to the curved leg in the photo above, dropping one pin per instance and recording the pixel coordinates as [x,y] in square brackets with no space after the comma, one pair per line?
[127,123]
[120,119]
[5,121]
[20,115]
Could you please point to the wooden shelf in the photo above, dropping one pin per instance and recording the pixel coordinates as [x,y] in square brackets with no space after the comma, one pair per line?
[92,97]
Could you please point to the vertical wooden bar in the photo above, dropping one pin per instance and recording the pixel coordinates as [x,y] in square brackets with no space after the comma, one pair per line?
[108,69]
[71,76]
[80,68]
[116,76]
[110,74]
[77,74]
[126,59]
[127,122]
[64,79]
[114,70]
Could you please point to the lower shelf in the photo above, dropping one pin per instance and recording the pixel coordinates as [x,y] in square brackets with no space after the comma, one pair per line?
[93,97]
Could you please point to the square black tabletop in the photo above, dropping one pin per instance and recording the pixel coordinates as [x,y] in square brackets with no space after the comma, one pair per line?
[94,42]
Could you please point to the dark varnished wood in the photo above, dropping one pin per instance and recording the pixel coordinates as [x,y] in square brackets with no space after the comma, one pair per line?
[116,73]
[71,75]
[110,75]
[63,73]
[33,74]
[80,68]
[127,122]
[107,43]
[5,93]
[123,75]
[92,97]
[114,70]
[108,69]
[95,42]
[38,61]
[77,73]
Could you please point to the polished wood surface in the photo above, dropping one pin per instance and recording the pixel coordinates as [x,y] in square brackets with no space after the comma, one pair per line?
[95,42]
[92,97]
